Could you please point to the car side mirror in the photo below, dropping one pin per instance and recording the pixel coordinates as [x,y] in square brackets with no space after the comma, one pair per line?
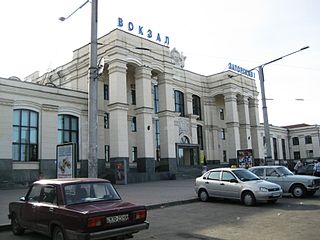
[23,199]
[233,180]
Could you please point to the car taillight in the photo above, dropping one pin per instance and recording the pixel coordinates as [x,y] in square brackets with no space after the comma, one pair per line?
[95,222]
[141,214]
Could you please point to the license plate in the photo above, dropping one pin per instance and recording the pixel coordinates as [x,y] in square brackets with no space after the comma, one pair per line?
[118,218]
[275,195]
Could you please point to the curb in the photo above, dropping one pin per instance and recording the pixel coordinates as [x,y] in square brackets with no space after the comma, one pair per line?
[170,204]
[7,227]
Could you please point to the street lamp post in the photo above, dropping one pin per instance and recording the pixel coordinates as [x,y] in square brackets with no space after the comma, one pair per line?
[268,159]
[92,93]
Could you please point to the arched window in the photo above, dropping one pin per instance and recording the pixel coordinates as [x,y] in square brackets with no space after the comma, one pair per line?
[25,135]
[68,129]
[179,102]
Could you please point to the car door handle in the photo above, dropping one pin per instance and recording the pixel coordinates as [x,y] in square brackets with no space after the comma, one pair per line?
[221,183]
[51,209]
[206,182]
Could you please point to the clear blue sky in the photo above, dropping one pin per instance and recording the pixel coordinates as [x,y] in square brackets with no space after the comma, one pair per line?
[210,33]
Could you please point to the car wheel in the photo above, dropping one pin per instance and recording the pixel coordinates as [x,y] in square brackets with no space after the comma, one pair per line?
[248,199]
[58,234]
[15,226]
[203,195]
[298,191]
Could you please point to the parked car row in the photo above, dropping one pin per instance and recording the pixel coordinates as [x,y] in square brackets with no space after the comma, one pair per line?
[257,184]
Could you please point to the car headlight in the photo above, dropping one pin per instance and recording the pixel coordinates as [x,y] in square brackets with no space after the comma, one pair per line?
[263,189]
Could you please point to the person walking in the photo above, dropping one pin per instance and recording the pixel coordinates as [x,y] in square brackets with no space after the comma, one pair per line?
[298,165]
[316,169]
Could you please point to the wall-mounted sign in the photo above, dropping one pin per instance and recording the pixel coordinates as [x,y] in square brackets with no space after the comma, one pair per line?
[66,160]
[140,30]
[241,70]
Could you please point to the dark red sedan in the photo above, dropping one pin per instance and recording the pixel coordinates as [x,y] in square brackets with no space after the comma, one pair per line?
[81,208]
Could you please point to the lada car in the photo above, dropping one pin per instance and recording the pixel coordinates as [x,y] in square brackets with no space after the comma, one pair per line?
[298,185]
[83,208]
[236,183]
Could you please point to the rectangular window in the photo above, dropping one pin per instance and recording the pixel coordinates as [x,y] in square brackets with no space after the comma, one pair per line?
[134,124]
[221,114]
[196,106]
[284,149]
[179,102]
[275,148]
[106,120]
[308,139]
[134,155]
[296,155]
[107,153]
[156,98]
[106,92]
[200,136]
[222,134]
[309,153]
[157,133]
[295,141]
[224,155]
[133,94]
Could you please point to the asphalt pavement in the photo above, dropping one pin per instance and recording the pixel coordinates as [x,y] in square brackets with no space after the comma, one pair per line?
[151,194]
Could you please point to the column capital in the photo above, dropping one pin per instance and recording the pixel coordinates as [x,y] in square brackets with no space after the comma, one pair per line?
[142,72]
[230,96]
[117,66]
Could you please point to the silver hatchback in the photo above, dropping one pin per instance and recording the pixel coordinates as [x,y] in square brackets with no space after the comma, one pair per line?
[236,183]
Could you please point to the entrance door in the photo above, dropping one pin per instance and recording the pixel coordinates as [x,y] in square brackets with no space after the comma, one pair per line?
[187,155]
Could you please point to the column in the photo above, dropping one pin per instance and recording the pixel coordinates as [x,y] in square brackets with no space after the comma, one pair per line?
[166,117]
[118,109]
[48,142]
[244,121]
[6,130]
[232,122]
[256,129]
[144,111]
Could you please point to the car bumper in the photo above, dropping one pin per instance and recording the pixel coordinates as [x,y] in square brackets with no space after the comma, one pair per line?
[313,188]
[122,231]
[265,196]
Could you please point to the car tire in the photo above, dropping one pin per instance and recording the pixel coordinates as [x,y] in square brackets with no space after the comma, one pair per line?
[15,226]
[298,191]
[248,199]
[58,234]
[203,195]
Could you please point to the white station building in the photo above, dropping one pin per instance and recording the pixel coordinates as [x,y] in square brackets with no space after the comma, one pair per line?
[155,117]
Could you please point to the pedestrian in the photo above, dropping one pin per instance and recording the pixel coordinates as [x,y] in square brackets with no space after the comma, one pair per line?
[298,165]
[316,168]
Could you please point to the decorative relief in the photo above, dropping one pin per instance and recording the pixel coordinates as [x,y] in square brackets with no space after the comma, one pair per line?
[184,126]
[178,58]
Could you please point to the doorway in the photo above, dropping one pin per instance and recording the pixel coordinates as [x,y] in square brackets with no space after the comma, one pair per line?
[187,155]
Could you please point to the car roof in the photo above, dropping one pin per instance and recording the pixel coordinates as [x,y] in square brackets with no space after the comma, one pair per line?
[268,166]
[229,169]
[62,181]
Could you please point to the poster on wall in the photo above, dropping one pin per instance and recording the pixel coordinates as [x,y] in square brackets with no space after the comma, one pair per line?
[66,162]
[245,158]
[121,172]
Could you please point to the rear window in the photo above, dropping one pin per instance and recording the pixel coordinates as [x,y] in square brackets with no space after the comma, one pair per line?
[89,192]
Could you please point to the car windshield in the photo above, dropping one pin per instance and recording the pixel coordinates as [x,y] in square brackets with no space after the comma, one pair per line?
[245,175]
[89,192]
[284,171]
